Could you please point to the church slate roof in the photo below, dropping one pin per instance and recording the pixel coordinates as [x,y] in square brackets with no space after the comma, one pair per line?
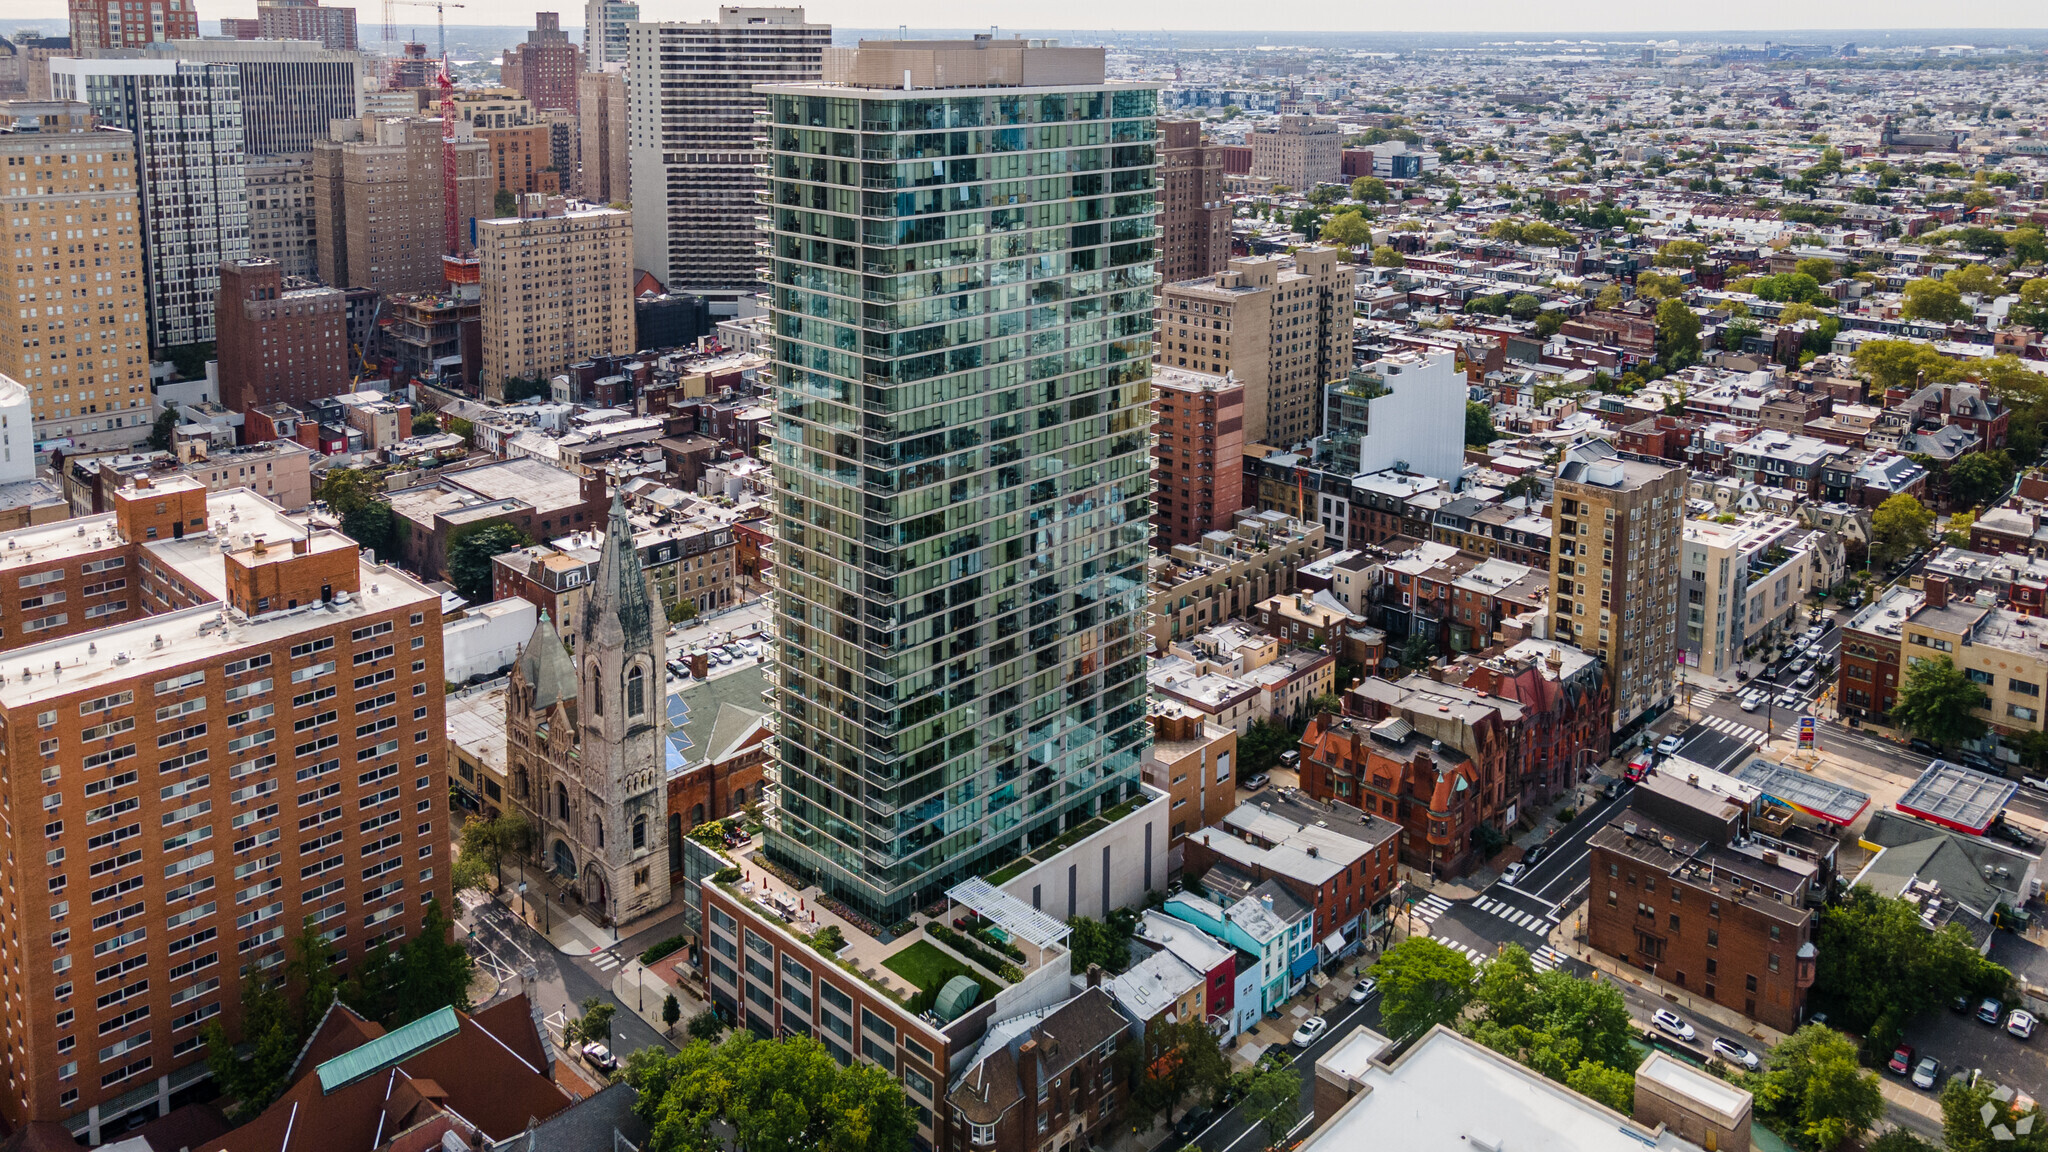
[545,666]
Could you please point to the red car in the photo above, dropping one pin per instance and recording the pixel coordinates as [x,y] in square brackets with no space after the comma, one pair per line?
[1639,768]
[1902,1060]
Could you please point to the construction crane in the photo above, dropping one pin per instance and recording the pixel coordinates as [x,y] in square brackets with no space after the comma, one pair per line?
[440,8]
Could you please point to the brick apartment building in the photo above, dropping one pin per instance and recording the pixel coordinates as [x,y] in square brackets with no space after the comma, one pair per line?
[1198,459]
[100,23]
[1675,894]
[1428,788]
[545,67]
[243,661]
[522,159]
[1869,676]
[280,340]
[1194,220]
[1335,858]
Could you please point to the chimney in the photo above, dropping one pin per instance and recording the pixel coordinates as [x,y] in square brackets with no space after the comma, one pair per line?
[1936,588]
[1095,975]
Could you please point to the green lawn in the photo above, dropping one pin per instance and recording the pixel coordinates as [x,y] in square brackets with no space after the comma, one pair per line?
[928,969]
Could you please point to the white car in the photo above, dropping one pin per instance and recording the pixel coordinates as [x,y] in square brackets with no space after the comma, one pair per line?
[2020,1023]
[1364,990]
[1671,1022]
[1788,699]
[1513,872]
[2037,783]
[1753,701]
[1806,679]
[600,1056]
[1668,745]
[1310,1031]
[1735,1053]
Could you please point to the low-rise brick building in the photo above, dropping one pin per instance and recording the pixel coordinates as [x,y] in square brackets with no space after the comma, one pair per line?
[1869,676]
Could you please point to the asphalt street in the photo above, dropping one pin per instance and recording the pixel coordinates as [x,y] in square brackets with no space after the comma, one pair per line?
[1233,1131]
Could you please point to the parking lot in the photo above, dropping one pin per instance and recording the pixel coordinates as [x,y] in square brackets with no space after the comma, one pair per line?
[1961,1043]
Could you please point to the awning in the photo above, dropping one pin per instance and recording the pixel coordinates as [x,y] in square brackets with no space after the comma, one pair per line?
[1302,963]
[1333,943]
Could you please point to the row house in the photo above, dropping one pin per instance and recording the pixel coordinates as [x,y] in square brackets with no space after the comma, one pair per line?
[1334,857]
[1564,703]
[1507,531]
[1261,919]
[1781,460]
[1432,790]
[1868,678]
[1868,479]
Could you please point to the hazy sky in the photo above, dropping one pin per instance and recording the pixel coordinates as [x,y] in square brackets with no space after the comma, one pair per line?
[1526,16]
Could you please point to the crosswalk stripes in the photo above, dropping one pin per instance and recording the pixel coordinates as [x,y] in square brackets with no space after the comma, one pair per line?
[1527,921]
[1431,907]
[605,961]
[1701,697]
[1546,958]
[1734,728]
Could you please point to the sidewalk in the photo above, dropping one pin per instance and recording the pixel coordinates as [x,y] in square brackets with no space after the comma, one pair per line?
[563,923]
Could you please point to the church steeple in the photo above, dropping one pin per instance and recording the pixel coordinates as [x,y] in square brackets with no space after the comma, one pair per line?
[619,612]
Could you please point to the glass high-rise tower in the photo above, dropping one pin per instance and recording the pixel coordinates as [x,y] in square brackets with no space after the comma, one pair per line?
[961,285]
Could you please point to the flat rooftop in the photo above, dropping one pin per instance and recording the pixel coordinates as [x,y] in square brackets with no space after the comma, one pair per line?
[1452,1094]
[1957,797]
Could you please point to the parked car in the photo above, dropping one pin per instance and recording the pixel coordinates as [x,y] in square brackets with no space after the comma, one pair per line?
[1960,1004]
[1923,747]
[1613,788]
[1806,679]
[1640,767]
[2015,835]
[600,1057]
[1535,854]
[1257,782]
[1927,1072]
[1310,1031]
[1513,872]
[2021,1023]
[1902,1060]
[1196,1120]
[1668,745]
[1671,1022]
[1364,990]
[1735,1053]
[2037,783]
[1989,1011]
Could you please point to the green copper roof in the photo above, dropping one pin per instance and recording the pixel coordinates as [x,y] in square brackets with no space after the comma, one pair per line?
[388,1049]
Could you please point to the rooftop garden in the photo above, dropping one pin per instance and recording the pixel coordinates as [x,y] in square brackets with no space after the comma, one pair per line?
[1065,840]
[924,966]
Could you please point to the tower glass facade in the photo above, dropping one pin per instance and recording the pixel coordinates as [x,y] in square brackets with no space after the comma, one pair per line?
[961,289]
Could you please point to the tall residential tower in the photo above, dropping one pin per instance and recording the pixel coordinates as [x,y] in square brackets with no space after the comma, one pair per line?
[961,249]
[690,108]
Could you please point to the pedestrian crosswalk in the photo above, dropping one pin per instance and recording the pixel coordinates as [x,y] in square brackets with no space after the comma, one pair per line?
[1431,907]
[1525,920]
[605,961]
[1546,958]
[1701,697]
[1734,728]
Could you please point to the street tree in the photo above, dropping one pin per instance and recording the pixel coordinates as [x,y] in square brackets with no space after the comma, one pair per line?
[166,423]
[1900,526]
[484,844]
[1273,1101]
[1169,1064]
[1658,285]
[1388,258]
[1975,280]
[1815,1087]
[706,1025]
[1979,478]
[594,1024]
[1964,1127]
[785,1095]
[1609,1086]
[1369,189]
[671,1011]
[1935,701]
[1423,982]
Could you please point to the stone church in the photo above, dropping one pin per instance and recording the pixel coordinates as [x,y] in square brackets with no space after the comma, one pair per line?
[583,741]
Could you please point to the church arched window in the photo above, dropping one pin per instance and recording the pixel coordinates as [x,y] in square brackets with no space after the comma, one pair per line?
[561,801]
[636,691]
[640,832]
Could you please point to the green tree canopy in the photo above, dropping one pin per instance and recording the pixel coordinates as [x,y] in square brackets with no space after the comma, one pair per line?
[1979,478]
[1787,288]
[1678,334]
[1348,230]
[1608,297]
[1931,299]
[469,556]
[1658,285]
[1548,324]
[484,844]
[1819,269]
[1106,942]
[1369,189]
[1935,699]
[1900,526]
[1975,280]
[1388,258]
[1814,1086]
[1167,1065]
[1423,982]
[1963,1128]
[1479,430]
[1273,1101]
[428,971]
[1681,254]
[1902,363]
[1604,1085]
[766,1096]
[356,498]
[1524,306]
[166,423]
[505,203]
[1876,958]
